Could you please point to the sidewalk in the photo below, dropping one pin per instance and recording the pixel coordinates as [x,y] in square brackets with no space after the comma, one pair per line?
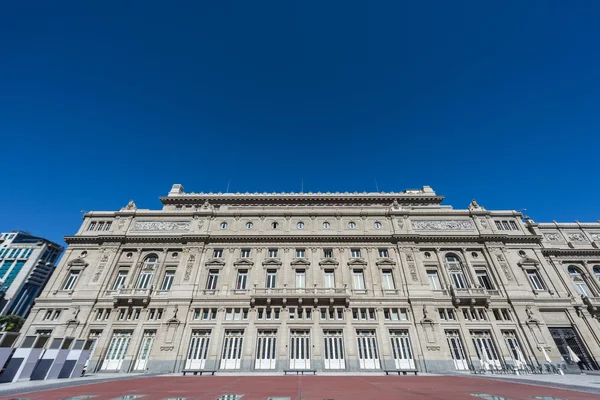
[12,388]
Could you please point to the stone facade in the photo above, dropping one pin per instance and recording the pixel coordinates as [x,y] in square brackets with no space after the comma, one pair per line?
[326,281]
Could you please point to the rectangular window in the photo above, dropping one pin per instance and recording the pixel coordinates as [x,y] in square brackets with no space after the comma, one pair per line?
[387,279]
[499,225]
[213,276]
[505,225]
[327,253]
[49,314]
[277,313]
[355,253]
[99,314]
[242,279]
[271,278]
[100,226]
[159,314]
[292,313]
[300,253]
[505,314]
[323,314]
[71,280]
[144,279]
[92,226]
[196,314]
[273,253]
[300,278]
[205,314]
[535,279]
[513,226]
[107,226]
[384,253]
[434,279]
[120,281]
[395,315]
[151,314]
[107,315]
[168,280]
[245,253]
[450,314]
[218,253]
[458,279]
[329,279]
[442,314]
[358,279]
[484,280]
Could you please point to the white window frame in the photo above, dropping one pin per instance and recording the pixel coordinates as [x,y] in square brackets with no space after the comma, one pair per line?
[300,278]
[213,278]
[168,280]
[271,279]
[387,279]
[358,279]
[354,253]
[300,253]
[241,282]
[533,275]
[72,279]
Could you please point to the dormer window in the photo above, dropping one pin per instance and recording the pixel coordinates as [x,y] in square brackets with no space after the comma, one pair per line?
[351,225]
[217,253]
[326,225]
[245,253]
[377,225]
[300,225]
[249,225]
[327,253]
[383,253]
[300,253]
[273,253]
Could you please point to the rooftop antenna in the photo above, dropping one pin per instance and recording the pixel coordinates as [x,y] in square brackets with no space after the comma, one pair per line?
[302,188]
[228,182]
[376,186]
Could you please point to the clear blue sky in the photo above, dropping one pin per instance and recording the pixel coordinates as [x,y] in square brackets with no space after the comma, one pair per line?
[99,104]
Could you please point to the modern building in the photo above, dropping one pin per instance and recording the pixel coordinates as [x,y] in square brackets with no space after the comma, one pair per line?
[325,281]
[26,264]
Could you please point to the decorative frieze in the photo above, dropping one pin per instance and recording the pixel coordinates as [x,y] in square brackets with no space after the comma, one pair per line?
[552,237]
[160,226]
[444,225]
[576,237]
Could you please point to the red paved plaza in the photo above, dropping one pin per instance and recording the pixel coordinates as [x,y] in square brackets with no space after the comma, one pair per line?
[309,388]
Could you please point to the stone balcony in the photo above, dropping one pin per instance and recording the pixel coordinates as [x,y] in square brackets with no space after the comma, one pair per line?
[471,296]
[300,296]
[132,296]
[592,303]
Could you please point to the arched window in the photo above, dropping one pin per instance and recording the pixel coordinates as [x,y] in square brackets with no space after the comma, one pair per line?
[597,271]
[223,225]
[456,272]
[147,272]
[579,281]
[274,225]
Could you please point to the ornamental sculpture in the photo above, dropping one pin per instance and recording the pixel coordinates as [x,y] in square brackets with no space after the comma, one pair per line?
[575,237]
[449,225]
[596,237]
[552,237]
[145,226]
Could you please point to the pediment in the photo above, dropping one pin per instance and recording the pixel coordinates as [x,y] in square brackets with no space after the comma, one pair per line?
[329,261]
[244,261]
[385,261]
[272,261]
[357,261]
[174,320]
[78,262]
[528,261]
[300,261]
[215,261]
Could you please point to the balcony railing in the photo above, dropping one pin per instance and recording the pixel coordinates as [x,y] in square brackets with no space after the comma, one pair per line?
[133,296]
[470,296]
[286,295]
[593,304]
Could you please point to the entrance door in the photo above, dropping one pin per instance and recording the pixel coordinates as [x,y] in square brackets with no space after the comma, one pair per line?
[564,337]
[144,352]
[116,351]
[368,357]
[266,350]
[403,357]
[457,351]
[300,350]
[486,351]
[232,350]
[198,350]
[334,350]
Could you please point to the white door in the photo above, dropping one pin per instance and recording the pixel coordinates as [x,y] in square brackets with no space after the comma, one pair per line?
[232,350]
[368,357]
[334,350]
[403,357]
[456,349]
[485,349]
[116,351]
[144,352]
[266,350]
[198,350]
[300,350]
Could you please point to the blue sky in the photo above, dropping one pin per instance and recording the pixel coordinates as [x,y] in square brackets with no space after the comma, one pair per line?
[103,103]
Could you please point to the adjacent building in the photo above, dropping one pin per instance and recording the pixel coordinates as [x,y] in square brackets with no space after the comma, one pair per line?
[26,264]
[325,281]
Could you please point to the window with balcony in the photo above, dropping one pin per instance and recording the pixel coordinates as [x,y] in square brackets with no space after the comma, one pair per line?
[535,279]
[148,268]
[168,280]
[218,253]
[300,253]
[327,253]
[484,279]
[355,253]
[273,253]
[242,279]
[358,279]
[579,281]
[434,279]
[456,271]
[300,278]
[71,280]
[245,253]
[329,278]
[387,279]
[120,280]
[271,278]
[213,276]
[383,253]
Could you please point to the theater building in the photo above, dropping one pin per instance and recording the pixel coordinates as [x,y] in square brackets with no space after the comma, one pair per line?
[324,281]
